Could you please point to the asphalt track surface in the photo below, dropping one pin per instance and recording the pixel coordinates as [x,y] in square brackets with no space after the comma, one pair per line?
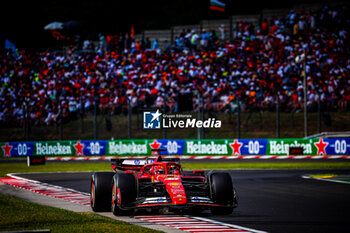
[269,200]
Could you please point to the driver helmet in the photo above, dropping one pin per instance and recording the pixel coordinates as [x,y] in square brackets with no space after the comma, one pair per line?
[159,170]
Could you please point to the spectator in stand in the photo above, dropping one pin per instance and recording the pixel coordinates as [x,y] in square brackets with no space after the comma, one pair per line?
[147,43]
[264,27]
[155,44]
[222,32]
[252,68]
[194,40]
[204,40]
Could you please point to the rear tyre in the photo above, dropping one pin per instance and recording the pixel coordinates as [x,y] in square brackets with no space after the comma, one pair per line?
[223,193]
[123,193]
[101,187]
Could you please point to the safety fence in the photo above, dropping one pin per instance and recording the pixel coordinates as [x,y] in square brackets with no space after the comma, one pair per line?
[212,147]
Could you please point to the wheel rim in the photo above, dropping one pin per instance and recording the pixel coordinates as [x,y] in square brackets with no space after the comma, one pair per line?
[113,195]
[118,196]
[92,196]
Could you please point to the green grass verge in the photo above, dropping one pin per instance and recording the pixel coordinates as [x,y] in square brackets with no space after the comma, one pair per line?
[331,177]
[52,167]
[323,176]
[16,214]
[56,167]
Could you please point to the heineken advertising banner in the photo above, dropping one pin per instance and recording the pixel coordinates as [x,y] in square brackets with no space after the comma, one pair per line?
[281,146]
[53,148]
[172,147]
[128,147]
[236,147]
[90,147]
[16,149]
[317,146]
[226,147]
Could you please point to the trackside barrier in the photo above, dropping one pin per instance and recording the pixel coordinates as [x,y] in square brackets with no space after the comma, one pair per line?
[206,147]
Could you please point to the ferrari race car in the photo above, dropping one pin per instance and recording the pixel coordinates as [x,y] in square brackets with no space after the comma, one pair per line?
[160,184]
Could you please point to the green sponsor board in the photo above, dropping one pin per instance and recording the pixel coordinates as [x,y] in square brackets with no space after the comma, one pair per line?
[236,147]
[53,148]
[281,146]
[128,147]
[207,147]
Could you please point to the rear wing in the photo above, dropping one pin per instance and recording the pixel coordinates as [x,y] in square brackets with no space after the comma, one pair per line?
[137,164]
[164,160]
[129,164]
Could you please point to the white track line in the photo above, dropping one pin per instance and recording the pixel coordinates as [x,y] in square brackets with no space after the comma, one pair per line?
[196,224]
[228,225]
[334,181]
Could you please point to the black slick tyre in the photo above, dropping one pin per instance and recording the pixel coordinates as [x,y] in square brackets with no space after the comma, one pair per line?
[123,193]
[222,193]
[100,191]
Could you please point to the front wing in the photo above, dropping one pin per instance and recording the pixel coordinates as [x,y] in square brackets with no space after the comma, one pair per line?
[164,202]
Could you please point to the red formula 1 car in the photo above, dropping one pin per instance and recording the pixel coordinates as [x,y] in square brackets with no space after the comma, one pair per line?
[160,184]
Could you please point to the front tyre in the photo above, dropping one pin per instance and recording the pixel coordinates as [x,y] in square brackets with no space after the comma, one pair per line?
[101,187]
[222,193]
[123,193]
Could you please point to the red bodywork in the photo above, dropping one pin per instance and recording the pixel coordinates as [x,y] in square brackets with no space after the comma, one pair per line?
[166,177]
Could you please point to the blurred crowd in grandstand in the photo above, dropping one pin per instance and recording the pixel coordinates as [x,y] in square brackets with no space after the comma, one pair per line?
[254,68]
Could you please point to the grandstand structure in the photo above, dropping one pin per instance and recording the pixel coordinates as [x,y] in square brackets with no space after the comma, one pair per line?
[167,35]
